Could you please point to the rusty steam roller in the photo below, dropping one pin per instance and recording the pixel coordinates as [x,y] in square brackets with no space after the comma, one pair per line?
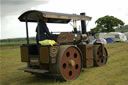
[69,55]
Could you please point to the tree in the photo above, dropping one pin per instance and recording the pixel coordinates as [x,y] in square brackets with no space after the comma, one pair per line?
[107,24]
[98,28]
[122,29]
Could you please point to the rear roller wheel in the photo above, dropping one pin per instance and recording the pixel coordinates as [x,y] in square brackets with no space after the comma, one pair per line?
[70,63]
[101,59]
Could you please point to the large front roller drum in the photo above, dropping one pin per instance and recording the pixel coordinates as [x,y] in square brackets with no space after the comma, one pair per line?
[68,63]
[100,56]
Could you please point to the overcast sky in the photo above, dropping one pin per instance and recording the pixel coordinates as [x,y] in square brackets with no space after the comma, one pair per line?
[12,9]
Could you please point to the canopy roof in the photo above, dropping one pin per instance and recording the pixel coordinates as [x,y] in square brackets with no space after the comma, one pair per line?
[35,15]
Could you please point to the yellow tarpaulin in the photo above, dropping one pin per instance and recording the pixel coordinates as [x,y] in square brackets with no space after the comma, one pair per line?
[47,42]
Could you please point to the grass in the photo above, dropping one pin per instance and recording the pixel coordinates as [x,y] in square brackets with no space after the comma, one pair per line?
[115,72]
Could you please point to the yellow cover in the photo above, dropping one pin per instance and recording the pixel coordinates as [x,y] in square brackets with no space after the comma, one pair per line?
[47,42]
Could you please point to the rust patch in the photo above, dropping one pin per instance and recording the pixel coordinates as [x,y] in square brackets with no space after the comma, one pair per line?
[44,55]
[24,54]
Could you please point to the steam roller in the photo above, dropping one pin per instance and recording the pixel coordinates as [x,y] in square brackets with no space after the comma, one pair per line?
[71,52]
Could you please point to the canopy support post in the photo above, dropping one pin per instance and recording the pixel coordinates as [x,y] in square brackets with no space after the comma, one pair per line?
[27,32]
[38,37]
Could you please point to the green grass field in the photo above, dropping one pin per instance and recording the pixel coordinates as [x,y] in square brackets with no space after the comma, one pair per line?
[115,72]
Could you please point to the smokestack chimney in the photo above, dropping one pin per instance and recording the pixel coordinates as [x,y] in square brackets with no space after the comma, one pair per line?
[83,24]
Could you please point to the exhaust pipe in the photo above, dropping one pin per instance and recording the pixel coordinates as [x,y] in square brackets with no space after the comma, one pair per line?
[83,24]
